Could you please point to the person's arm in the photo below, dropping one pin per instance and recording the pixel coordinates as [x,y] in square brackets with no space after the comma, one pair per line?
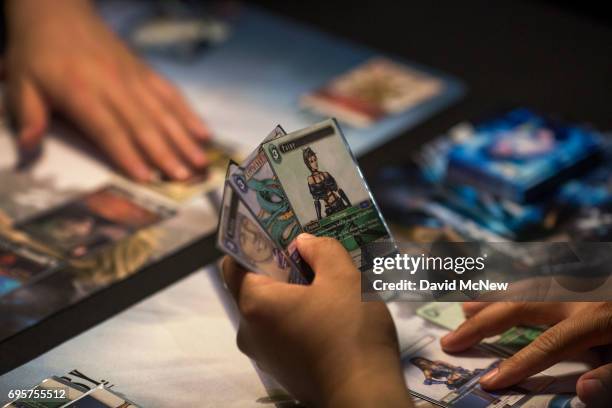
[575,327]
[61,58]
[321,342]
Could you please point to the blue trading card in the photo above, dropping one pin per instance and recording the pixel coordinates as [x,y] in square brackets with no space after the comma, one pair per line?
[521,155]
[594,189]
[500,217]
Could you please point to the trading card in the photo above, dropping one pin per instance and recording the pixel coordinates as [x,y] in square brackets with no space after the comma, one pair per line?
[240,236]
[277,132]
[93,221]
[452,380]
[99,397]
[445,314]
[218,155]
[325,187]
[553,401]
[373,90]
[593,189]
[52,393]
[512,340]
[449,315]
[181,36]
[20,265]
[262,193]
[521,156]
[591,225]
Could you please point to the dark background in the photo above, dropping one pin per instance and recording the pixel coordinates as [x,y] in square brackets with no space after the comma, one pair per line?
[555,57]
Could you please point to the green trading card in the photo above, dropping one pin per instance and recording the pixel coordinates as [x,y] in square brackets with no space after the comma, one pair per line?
[325,187]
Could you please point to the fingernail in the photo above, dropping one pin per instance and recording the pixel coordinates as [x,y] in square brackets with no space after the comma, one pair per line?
[199,159]
[156,176]
[181,173]
[305,235]
[199,128]
[144,175]
[592,389]
[447,339]
[489,376]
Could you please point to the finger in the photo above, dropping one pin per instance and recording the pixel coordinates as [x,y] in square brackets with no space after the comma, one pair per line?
[100,124]
[495,319]
[175,131]
[146,134]
[595,387]
[564,340]
[326,256]
[471,308]
[174,101]
[233,273]
[30,112]
[253,292]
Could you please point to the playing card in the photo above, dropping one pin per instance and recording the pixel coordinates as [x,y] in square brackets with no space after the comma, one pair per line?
[521,155]
[241,236]
[93,221]
[20,265]
[262,193]
[99,397]
[512,340]
[218,155]
[449,315]
[53,392]
[325,188]
[445,314]
[452,380]
[373,90]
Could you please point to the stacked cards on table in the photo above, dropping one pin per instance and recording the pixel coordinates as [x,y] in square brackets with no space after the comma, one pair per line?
[304,181]
[71,390]
[515,176]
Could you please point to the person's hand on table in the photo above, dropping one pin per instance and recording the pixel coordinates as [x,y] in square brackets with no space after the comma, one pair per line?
[575,327]
[62,58]
[321,342]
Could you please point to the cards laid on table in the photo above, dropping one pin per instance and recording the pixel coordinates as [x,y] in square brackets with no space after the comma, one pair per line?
[452,380]
[449,315]
[93,221]
[521,155]
[305,181]
[372,91]
[68,391]
[21,265]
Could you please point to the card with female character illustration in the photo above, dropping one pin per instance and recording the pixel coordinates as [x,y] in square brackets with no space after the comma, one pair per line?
[325,187]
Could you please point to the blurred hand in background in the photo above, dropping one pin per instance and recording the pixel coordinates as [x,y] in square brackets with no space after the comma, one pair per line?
[61,58]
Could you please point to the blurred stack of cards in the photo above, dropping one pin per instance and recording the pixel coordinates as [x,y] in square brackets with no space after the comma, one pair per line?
[304,181]
[69,391]
[514,177]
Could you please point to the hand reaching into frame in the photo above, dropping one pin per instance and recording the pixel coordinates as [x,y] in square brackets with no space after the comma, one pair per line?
[62,58]
[575,327]
[321,342]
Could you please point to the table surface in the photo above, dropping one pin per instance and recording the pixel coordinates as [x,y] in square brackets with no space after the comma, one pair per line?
[507,52]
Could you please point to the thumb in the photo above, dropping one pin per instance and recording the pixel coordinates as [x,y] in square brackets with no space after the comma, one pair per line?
[30,113]
[595,387]
[326,256]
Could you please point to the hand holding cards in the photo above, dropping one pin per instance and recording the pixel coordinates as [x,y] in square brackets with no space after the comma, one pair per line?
[305,181]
